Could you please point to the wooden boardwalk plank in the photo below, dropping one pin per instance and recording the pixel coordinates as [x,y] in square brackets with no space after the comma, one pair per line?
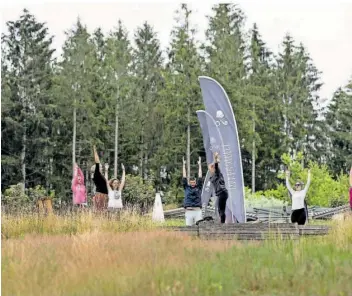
[248,231]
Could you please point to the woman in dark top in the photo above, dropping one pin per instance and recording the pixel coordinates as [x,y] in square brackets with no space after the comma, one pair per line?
[219,186]
[100,200]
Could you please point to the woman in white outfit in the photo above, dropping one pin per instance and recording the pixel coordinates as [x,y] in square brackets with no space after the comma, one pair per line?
[298,195]
[115,188]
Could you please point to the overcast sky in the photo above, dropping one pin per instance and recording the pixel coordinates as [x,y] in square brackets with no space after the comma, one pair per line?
[325,28]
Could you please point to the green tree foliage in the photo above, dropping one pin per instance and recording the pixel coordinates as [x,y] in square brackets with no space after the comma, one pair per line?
[263,112]
[181,96]
[147,81]
[138,193]
[339,122]
[118,58]
[14,198]
[74,86]
[104,83]
[324,190]
[298,83]
[27,118]
[226,61]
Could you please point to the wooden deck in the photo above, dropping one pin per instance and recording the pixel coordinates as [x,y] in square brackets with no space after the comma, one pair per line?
[247,231]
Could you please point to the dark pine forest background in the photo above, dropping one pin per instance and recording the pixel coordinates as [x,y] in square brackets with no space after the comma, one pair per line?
[100,77]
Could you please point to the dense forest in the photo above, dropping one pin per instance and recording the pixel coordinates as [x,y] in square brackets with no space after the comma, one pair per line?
[103,85]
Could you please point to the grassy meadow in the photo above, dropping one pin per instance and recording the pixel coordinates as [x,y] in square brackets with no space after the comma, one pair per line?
[84,254]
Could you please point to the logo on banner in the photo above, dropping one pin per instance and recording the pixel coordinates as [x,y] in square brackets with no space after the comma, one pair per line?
[221,118]
[213,145]
[207,188]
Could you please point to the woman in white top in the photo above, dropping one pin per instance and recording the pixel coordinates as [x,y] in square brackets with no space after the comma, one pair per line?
[298,194]
[115,188]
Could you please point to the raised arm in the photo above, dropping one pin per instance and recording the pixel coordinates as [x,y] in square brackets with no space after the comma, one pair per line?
[308,182]
[96,156]
[123,178]
[184,172]
[200,174]
[75,171]
[106,175]
[74,179]
[216,163]
[288,185]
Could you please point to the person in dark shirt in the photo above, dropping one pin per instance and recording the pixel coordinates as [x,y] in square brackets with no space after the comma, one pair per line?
[219,186]
[193,190]
[100,199]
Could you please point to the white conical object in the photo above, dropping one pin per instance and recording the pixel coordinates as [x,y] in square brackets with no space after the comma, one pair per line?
[158,212]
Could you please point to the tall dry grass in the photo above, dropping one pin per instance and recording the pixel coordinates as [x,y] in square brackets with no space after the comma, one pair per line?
[97,263]
[98,260]
[71,223]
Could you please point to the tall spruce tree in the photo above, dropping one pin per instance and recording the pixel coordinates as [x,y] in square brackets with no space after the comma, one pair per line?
[298,83]
[118,63]
[258,93]
[147,66]
[339,120]
[184,67]
[81,118]
[27,121]
[226,62]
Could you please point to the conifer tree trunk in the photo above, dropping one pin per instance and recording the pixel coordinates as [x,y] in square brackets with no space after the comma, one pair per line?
[116,135]
[23,157]
[74,136]
[141,154]
[253,155]
[188,143]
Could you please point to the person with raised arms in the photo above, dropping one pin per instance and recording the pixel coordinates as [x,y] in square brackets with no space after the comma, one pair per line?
[115,188]
[100,199]
[219,186]
[193,191]
[78,188]
[298,195]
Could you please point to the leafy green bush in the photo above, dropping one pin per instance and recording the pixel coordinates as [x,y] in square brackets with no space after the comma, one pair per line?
[259,200]
[36,193]
[323,191]
[139,193]
[175,193]
[14,197]
[280,193]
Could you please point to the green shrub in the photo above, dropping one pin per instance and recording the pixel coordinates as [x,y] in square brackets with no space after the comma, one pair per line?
[259,200]
[324,190]
[175,193]
[138,192]
[36,193]
[14,197]
[280,193]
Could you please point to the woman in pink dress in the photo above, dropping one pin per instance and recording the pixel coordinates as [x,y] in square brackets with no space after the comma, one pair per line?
[78,188]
